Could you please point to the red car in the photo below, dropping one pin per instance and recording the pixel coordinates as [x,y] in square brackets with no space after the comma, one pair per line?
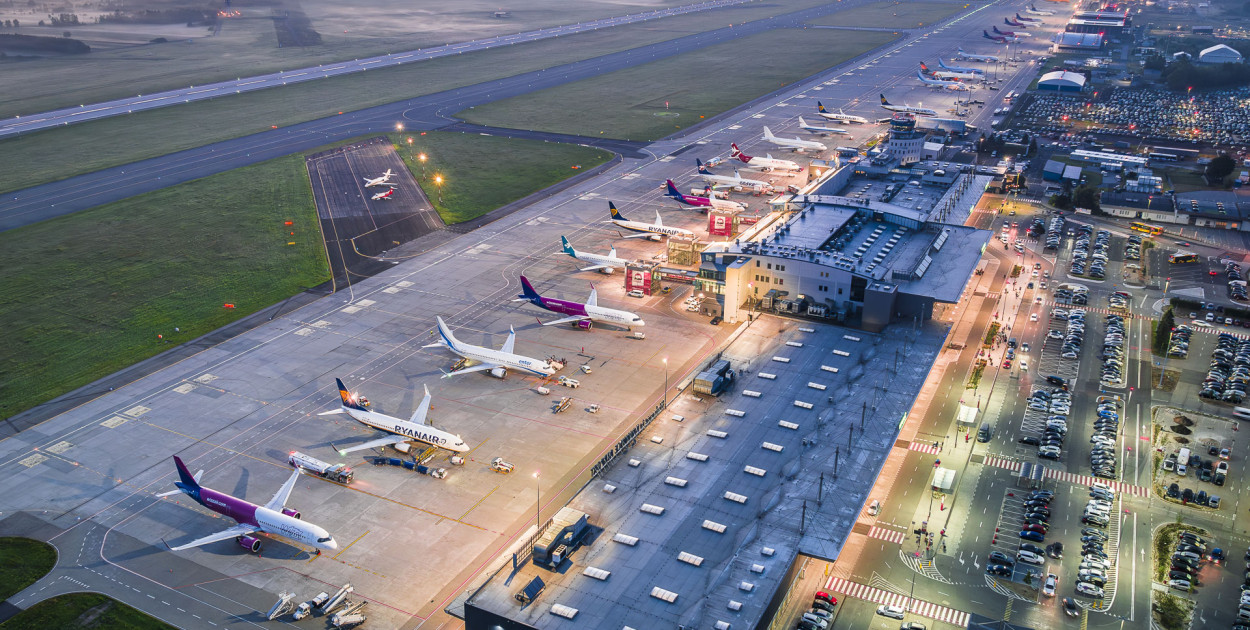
[1213,273]
[825,597]
[1006,364]
[1034,528]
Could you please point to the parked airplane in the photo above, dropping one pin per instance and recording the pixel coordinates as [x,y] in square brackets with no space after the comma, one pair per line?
[1011,34]
[938,83]
[737,181]
[839,117]
[820,130]
[976,72]
[1033,10]
[581,315]
[947,74]
[795,144]
[385,178]
[709,201]
[497,362]
[384,195]
[1002,39]
[907,109]
[604,264]
[271,518]
[651,231]
[1015,23]
[972,57]
[1027,20]
[767,163]
[416,428]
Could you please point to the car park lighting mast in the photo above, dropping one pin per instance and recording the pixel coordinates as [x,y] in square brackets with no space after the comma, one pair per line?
[438,179]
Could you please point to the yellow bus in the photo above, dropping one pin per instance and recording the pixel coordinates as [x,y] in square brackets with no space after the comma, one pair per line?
[1143,227]
[1183,257]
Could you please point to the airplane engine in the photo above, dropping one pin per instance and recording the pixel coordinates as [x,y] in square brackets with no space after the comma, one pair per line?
[655,237]
[250,543]
[499,372]
[291,512]
[585,324]
[607,271]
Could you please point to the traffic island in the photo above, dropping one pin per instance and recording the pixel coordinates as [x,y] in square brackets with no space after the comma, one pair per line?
[1165,538]
[1169,611]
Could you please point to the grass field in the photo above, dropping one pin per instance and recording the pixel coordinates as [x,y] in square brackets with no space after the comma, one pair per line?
[82,610]
[468,190]
[41,157]
[22,562]
[909,14]
[631,103]
[247,43]
[87,294]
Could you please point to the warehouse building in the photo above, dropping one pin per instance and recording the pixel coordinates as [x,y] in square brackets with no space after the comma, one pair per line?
[1220,53]
[1061,81]
[1078,41]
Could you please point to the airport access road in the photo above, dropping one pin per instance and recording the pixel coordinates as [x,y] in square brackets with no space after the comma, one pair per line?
[95,111]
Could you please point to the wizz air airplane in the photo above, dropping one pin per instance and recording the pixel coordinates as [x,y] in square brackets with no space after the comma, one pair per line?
[907,109]
[415,429]
[972,57]
[1033,10]
[604,264]
[497,362]
[582,315]
[767,163]
[725,180]
[1021,18]
[385,178]
[820,130]
[271,518]
[839,117]
[1011,34]
[1000,38]
[651,231]
[975,72]
[947,74]
[710,201]
[794,144]
[940,84]
[384,195]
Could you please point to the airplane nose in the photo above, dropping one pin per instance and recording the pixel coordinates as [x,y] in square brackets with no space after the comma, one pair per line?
[332,545]
[640,323]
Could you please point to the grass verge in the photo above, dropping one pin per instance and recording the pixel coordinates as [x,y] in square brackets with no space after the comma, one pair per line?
[468,190]
[89,293]
[991,334]
[1170,611]
[891,15]
[82,610]
[22,562]
[40,157]
[654,100]
[975,379]
[1165,541]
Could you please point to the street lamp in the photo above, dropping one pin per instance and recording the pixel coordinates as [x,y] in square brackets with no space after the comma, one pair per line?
[438,179]
[538,506]
[399,126]
[666,382]
[422,157]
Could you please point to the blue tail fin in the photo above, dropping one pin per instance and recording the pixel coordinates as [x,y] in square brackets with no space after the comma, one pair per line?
[614,213]
[185,475]
[883,101]
[703,169]
[568,249]
[348,399]
[528,292]
[673,192]
[820,108]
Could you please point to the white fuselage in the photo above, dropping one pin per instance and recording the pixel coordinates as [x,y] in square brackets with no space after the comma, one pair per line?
[419,432]
[977,72]
[613,316]
[984,58]
[843,118]
[724,204]
[919,111]
[952,74]
[725,180]
[771,163]
[796,144]
[601,259]
[651,228]
[292,528]
[823,129]
[506,360]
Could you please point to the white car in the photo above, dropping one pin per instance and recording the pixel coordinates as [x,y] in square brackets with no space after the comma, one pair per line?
[1085,588]
[893,612]
[1180,585]
[1048,589]
[1032,317]
[1092,563]
[1029,557]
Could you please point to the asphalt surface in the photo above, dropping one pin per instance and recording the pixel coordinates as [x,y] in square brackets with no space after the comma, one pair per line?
[96,111]
[424,113]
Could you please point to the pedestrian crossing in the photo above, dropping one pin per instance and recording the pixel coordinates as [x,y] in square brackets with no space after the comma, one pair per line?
[916,563]
[1081,480]
[1091,309]
[924,447]
[912,605]
[888,535]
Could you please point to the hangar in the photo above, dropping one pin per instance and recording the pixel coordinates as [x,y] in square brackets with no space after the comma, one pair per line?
[1220,53]
[1061,81]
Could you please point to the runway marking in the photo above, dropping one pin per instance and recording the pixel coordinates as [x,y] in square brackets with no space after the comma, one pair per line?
[887,535]
[910,604]
[479,502]
[349,546]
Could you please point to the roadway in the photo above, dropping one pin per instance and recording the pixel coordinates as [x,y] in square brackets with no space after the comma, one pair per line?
[96,111]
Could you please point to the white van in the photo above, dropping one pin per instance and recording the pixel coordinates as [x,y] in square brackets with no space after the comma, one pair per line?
[874,508]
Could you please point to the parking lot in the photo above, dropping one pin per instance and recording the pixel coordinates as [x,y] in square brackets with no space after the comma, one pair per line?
[1214,116]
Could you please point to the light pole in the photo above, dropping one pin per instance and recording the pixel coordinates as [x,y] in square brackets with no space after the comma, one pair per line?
[665,382]
[538,506]
[422,157]
[438,179]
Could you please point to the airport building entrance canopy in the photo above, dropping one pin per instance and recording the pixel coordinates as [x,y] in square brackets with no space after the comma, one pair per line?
[943,479]
[967,414]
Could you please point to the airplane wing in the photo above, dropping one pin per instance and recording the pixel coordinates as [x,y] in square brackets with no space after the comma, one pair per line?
[382,441]
[592,267]
[477,368]
[567,320]
[511,342]
[233,532]
[418,416]
[593,300]
[279,498]
[641,235]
